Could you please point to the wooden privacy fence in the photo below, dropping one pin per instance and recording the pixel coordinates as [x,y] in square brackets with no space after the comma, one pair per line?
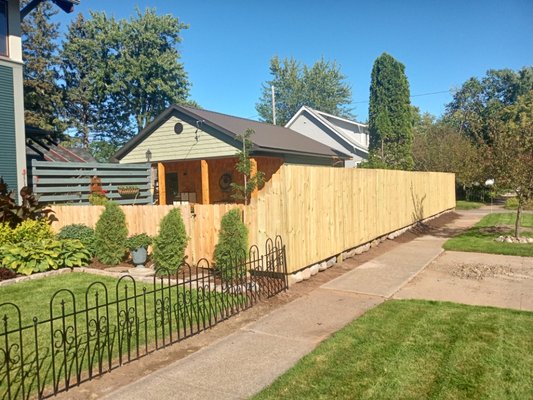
[201,222]
[318,211]
[321,211]
[62,182]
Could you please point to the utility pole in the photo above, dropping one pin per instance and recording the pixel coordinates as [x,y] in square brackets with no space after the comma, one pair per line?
[273,105]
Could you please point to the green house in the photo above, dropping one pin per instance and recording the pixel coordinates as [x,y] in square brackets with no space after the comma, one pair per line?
[12,140]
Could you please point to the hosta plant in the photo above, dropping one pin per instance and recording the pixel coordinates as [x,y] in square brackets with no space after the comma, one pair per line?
[29,257]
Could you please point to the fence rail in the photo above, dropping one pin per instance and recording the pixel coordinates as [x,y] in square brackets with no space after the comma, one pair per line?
[85,338]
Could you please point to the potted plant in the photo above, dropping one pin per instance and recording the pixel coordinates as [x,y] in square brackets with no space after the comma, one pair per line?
[128,191]
[138,245]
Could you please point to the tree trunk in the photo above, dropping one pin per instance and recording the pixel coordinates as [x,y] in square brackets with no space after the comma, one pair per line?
[517,222]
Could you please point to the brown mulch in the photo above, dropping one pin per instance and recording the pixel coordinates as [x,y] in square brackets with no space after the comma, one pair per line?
[98,265]
[6,274]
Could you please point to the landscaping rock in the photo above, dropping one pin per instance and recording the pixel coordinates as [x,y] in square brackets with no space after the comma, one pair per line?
[374,243]
[362,249]
[313,269]
[323,266]
[141,272]
[295,278]
[512,239]
[331,261]
[306,274]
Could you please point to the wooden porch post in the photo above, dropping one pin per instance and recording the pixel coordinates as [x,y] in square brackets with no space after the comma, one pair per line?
[205,181]
[162,183]
[253,172]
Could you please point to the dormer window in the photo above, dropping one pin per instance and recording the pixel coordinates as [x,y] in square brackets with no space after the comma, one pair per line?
[4,48]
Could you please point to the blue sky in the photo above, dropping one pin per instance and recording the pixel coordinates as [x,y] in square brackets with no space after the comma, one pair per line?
[228,46]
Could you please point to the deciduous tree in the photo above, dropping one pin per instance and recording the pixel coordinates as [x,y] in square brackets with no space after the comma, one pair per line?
[321,86]
[441,148]
[121,74]
[476,106]
[511,153]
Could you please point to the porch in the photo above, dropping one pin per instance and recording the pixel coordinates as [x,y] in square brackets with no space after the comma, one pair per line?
[206,181]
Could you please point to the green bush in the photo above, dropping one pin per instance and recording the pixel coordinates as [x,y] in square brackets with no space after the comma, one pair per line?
[170,244]
[83,233]
[32,231]
[28,257]
[230,251]
[111,233]
[512,203]
[98,199]
[137,241]
[6,233]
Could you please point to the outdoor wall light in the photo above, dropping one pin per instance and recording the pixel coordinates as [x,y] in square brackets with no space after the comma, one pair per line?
[148,155]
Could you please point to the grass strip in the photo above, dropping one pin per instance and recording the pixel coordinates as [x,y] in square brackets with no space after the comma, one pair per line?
[411,349]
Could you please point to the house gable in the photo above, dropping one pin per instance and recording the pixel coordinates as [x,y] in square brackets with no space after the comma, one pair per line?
[192,143]
[309,126]
[338,133]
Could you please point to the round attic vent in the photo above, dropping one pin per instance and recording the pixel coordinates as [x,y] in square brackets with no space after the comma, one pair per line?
[178,128]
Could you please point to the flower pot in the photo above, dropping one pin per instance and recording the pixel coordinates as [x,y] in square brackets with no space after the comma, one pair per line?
[128,193]
[139,256]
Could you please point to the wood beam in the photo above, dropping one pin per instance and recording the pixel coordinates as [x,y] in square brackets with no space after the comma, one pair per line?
[205,181]
[253,172]
[162,183]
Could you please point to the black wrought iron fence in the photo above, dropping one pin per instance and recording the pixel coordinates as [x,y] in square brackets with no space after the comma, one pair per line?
[86,338]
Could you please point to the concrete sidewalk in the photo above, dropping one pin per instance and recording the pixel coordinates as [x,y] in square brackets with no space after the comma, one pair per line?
[246,361]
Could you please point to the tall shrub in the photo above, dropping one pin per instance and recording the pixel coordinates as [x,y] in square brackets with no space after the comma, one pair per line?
[111,233]
[232,244]
[390,116]
[169,246]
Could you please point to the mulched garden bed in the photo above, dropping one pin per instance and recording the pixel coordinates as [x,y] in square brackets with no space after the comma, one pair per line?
[6,274]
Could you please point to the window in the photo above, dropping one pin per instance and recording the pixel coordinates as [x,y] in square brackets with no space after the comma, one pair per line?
[3,28]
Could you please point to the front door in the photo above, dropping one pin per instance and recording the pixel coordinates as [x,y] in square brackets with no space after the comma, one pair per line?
[171,185]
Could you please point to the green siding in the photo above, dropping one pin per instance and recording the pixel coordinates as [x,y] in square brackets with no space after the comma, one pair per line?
[192,143]
[8,150]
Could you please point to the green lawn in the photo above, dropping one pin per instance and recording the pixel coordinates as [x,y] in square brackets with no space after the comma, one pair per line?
[414,349]
[480,238]
[467,205]
[144,312]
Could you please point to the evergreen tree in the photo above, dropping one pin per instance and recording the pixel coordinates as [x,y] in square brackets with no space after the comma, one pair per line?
[42,95]
[390,116]
[111,233]
[321,87]
[169,246]
[230,251]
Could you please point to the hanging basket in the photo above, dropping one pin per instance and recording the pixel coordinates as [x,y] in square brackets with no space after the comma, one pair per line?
[128,193]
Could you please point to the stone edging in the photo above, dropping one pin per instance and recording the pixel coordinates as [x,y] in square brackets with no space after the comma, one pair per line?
[85,270]
[307,272]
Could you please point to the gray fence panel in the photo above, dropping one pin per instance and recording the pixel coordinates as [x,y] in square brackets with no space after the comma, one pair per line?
[62,182]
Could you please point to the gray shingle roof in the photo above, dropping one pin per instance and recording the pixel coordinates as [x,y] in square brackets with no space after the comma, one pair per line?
[267,137]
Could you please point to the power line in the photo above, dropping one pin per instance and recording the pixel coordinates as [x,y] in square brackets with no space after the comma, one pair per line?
[413,95]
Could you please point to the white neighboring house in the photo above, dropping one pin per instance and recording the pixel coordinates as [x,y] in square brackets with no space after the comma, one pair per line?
[339,133]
